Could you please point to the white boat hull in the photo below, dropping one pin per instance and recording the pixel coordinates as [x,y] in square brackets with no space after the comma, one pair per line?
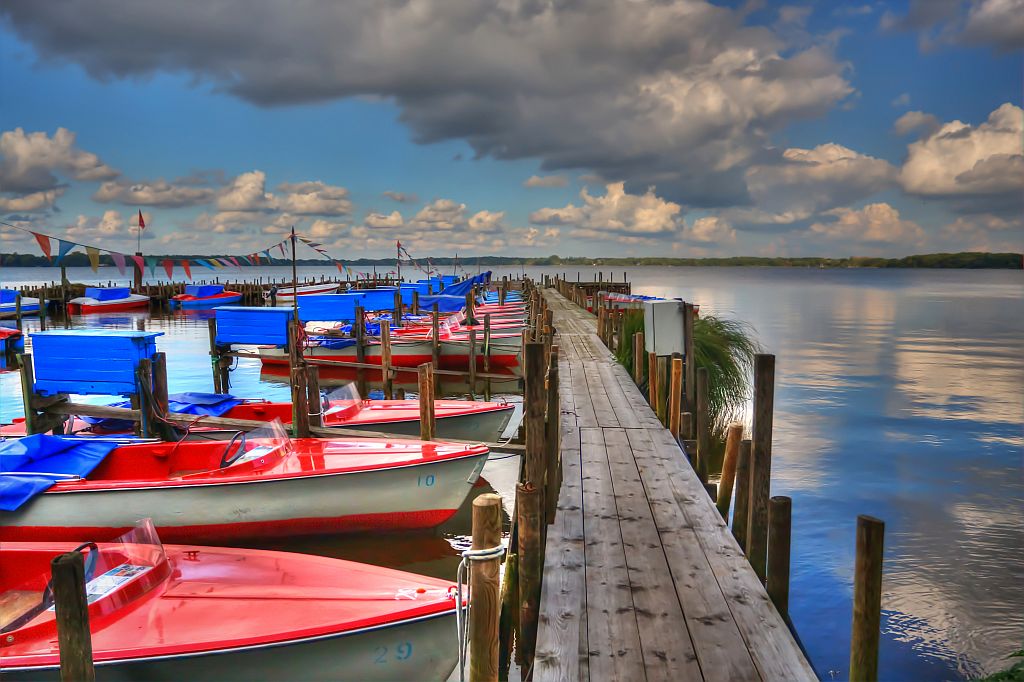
[395,498]
[424,649]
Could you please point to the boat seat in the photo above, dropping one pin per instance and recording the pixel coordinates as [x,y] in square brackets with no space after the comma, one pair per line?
[15,604]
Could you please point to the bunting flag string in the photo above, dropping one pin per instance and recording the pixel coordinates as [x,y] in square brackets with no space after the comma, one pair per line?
[118,259]
[188,270]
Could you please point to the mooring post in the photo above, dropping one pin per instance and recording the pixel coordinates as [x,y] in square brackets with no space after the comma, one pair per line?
[398,307]
[72,616]
[675,395]
[867,599]
[28,390]
[487,356]
[385,359]
[314,406]
[484,597]
[143,392]
[17,311]
[472,364]
[533,408]
[529,508]
[703,426]
[551,438]
[470,315]
[435,349]
[416,302]
[42,310]
[211,326]
[426,389]
[732,451]
[638,357]
[780,519]
[359,331]
[689,356]
[740,514]
[761,462]
[652,381]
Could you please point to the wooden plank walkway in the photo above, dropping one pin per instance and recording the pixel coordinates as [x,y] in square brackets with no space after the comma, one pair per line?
[642,578]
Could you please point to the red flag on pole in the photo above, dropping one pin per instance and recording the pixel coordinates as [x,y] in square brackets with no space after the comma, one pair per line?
[142,223]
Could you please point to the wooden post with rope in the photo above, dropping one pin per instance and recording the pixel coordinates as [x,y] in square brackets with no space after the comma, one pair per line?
[72,615]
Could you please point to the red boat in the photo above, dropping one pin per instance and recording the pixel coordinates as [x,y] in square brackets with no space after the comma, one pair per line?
[200,613]
[204,296]
[256,485]
[107,300]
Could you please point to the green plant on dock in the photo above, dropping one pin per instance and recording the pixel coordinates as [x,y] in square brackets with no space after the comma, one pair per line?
[724,347]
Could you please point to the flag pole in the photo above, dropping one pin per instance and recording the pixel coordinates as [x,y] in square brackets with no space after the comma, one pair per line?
[398,260]
[295,281]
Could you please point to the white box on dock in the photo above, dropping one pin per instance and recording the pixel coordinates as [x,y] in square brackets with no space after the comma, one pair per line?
[663,327]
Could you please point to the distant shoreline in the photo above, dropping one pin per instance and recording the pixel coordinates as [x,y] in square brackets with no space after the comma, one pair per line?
[964,260]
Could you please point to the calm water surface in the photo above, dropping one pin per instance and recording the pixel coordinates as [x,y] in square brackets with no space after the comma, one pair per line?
[900,394]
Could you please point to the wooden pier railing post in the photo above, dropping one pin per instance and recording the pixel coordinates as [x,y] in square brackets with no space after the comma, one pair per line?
[529,510]
[533,410]
[732,451]
[761,462]
[435,349]
[740,515]
[214,355]
[703,426]
[426,390]
[867,599]
[653,394]
[484,598]
[675,395]
[72,616]
[689,356]
[780,520]
[487,356]
[638,357]
[28,390]
[472,364]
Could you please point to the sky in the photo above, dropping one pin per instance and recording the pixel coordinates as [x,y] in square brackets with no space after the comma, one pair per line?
[515,127]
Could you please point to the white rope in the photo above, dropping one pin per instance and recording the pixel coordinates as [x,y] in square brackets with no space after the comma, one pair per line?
[462,578]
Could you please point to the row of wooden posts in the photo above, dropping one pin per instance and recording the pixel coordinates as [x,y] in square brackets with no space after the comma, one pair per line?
[761,523]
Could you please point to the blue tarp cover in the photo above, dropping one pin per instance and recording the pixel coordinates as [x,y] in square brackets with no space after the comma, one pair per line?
[8,295]
[107,293]
[465,285]
[47,455]
[203,289]
[332,342]
[445,304]
[213,404]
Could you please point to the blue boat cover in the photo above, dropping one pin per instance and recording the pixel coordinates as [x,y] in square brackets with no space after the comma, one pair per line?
[212,404]
[107,293]
[44,455]
[445,304]
[203,290]
[8,295]
[332,342]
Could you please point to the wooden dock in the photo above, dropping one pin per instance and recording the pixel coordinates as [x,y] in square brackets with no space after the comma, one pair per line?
[642,577]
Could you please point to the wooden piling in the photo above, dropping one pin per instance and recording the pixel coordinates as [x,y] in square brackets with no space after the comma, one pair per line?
[867,599]
[529,507]
[487,356]
[551,438]
[732,450]
[485,605]
[28,389]
[211,326]
[780,519]
[385,359]
[638,357]
[435,347]
[703,425]
[689,356]
[534,404]
[359,331]
[313,401]
[426,390]
[72,616]
[675,396]
[740,515]
[472,364]
[652,381]
[761,462]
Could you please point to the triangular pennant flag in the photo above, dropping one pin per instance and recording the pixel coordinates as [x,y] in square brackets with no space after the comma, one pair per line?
[315,245]
[246,260]
[63,248]
[215,263]
[267,254]
[94,257]
[225,262]
[140,264]
[151,264]
[44,244]
[187,268]
[169,268]
[284,253]
[234,261]
[341,268]
[255,258]
[118,259]
[205,263]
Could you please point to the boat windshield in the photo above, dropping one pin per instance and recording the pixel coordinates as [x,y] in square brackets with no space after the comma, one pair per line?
[271,437]
[343,400]
[109,567]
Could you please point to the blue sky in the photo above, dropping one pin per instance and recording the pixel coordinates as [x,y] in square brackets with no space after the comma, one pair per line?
[733,130]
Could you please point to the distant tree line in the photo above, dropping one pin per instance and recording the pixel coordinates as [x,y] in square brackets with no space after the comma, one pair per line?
[968,259]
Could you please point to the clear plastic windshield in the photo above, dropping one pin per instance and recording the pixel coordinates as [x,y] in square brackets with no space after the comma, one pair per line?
[109,567]
[343,400]
[272,437]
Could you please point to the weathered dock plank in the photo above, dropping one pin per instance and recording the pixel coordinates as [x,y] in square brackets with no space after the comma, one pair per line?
[643,580]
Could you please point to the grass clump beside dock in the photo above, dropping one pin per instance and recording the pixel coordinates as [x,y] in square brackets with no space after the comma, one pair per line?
[726,348]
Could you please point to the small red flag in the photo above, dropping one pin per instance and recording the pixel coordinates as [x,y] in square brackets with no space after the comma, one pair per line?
[142,223]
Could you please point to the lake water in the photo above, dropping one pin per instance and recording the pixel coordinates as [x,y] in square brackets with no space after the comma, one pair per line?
[899,394]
